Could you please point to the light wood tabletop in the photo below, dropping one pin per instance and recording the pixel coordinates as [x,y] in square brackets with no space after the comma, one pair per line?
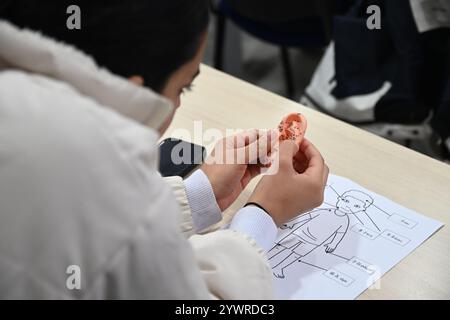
[400,174]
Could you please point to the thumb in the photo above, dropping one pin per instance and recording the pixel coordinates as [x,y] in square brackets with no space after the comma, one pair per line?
[287,151]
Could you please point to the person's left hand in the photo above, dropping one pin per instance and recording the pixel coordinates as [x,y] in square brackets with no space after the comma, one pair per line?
[235,161]
[329,248]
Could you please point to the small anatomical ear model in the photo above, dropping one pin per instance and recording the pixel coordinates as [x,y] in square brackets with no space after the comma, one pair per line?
[292,127]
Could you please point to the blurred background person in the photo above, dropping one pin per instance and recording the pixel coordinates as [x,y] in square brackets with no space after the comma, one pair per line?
[392,81]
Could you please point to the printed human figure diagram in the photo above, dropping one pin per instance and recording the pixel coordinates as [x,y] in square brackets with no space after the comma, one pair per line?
[342,247]
[321,227]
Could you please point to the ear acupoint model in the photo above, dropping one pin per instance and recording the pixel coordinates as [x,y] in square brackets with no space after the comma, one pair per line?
[293,127]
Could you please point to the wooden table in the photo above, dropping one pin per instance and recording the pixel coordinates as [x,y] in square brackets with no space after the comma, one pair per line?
[400,174]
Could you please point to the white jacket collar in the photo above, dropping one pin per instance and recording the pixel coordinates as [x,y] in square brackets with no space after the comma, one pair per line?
[32,52]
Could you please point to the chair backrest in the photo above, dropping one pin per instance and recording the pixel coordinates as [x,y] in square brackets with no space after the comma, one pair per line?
[279,10]
[282,11]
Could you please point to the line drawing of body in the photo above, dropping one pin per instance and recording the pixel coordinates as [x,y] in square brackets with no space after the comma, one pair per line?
[321,227]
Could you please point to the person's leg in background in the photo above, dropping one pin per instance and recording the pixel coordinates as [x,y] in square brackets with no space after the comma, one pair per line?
[412,62]
[441,125]
[436,82]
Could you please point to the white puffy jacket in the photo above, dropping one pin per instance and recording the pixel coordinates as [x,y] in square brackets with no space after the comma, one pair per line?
[79,186]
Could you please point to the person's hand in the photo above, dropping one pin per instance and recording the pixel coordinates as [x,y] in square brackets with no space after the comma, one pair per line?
[329,248]
[235,161]
[298,185]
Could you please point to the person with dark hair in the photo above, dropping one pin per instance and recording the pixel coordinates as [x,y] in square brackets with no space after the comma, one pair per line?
[122,38]
[84,213]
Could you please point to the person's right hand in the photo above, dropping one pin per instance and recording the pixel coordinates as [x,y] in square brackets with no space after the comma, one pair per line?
[297,187]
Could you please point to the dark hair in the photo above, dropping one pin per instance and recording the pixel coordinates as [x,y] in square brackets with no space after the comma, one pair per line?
[152,38]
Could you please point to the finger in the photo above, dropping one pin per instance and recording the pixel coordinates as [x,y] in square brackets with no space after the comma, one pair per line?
[250,136]
[233,150]
[326,172]
[241,139]
[268,148]
[300,162]
[253,171]
[287,150]
[246,179]
[258,149]
[315,160]
[300,167]
[300,156]
[267,144]
[300,159]
[273,138]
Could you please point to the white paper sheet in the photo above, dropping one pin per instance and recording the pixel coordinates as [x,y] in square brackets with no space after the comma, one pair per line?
[341,248]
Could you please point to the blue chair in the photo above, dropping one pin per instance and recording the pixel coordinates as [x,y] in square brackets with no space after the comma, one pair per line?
[309,32]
